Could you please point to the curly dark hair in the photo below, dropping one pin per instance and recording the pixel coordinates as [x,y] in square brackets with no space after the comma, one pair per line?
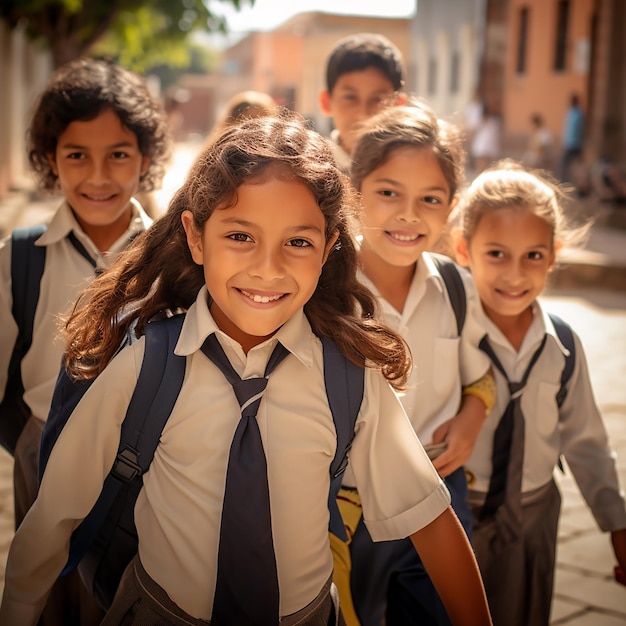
[157,274]
[80,91]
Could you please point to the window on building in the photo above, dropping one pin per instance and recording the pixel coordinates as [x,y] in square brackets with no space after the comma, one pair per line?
[455,63]
[522,40]
[432,76]
[562,23]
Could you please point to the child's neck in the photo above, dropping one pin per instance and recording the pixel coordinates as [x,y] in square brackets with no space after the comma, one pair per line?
[513,327]
[393,282]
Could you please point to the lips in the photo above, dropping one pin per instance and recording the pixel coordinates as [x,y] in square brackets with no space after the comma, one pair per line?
[261,298]
[404,237]
[99,198]
[512,294]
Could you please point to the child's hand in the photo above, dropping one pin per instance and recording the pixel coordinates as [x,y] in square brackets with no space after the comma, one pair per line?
[618,539]
[460,434]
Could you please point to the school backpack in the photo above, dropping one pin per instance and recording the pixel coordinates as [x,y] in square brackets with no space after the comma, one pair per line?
[27,263]
[27,266]
[106,540]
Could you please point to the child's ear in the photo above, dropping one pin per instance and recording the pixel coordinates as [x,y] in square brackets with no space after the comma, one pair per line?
[558,246]
[324,102]
[330,245]
[53,163]
[461,251]
[194,238]
[145,164]
[453,205]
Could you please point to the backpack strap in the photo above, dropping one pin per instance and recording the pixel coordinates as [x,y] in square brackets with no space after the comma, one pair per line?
[566,337]
[454,285]
[27,265]
[344,388]
[160,379]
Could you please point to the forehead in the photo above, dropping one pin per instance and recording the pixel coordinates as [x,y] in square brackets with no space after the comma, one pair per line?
[514,226]
[274,201]
[369,79]
[105,129]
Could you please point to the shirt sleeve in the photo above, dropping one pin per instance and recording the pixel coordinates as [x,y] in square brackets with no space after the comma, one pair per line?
[400,490]
[79,462]
[586,447]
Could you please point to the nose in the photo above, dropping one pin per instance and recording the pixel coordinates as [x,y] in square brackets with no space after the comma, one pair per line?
[99,172]
[268,264]
[408,212]
[514,272]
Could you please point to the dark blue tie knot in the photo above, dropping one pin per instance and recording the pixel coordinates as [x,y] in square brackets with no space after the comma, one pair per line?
[515,389]
[249,393]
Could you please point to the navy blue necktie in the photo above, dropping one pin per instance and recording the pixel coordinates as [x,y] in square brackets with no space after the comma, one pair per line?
[246,591]
[504,497]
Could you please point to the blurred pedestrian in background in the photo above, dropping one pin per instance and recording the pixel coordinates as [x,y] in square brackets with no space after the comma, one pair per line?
[572,138]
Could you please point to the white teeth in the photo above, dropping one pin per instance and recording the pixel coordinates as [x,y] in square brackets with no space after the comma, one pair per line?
[262,299]
[404,237]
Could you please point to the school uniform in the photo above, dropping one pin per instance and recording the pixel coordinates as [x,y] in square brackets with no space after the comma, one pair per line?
[519,577]
[178,511]
[343,159]
[443,362]
[66,273]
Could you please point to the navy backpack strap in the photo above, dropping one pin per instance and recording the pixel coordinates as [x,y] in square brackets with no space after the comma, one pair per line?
[566,337]
[454,285]
[160,379]
[27,265]
[345,383]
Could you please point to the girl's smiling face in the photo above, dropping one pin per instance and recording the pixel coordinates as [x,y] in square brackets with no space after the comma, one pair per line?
[99,166]
[262,257]
[406,206]
[510,256]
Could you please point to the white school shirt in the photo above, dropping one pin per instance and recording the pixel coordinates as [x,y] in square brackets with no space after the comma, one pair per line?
[442,361]
[576,430]
[66,273]
[178,511]
[344,160]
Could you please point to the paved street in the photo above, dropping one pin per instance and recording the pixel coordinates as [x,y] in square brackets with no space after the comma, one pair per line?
[586,594]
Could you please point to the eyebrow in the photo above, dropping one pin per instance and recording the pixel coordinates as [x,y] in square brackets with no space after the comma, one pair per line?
[301,228]
[533,247]
[76,146]
[392,181]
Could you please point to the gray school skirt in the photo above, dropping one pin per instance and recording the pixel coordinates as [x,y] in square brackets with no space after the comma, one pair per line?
[140,601]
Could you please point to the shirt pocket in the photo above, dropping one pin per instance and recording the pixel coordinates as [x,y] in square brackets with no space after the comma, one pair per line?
[445,375]
[546,412]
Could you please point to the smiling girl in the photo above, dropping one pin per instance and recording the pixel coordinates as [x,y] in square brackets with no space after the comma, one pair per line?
[512,226]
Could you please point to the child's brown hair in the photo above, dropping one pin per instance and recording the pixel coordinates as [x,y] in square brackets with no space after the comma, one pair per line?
[80,91]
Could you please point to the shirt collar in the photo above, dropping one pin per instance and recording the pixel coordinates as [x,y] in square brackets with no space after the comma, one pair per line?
[540,326]
[296,334]
[63,222]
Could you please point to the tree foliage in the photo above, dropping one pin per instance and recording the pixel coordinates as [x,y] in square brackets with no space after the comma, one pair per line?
[139,33]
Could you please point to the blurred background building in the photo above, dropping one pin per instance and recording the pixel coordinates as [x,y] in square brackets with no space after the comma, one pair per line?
[520,56]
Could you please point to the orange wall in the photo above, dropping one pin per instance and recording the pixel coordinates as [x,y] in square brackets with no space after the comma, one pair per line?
[541,89]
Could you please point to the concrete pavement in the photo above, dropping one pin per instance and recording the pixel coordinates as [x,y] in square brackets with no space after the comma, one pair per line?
[590,292]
